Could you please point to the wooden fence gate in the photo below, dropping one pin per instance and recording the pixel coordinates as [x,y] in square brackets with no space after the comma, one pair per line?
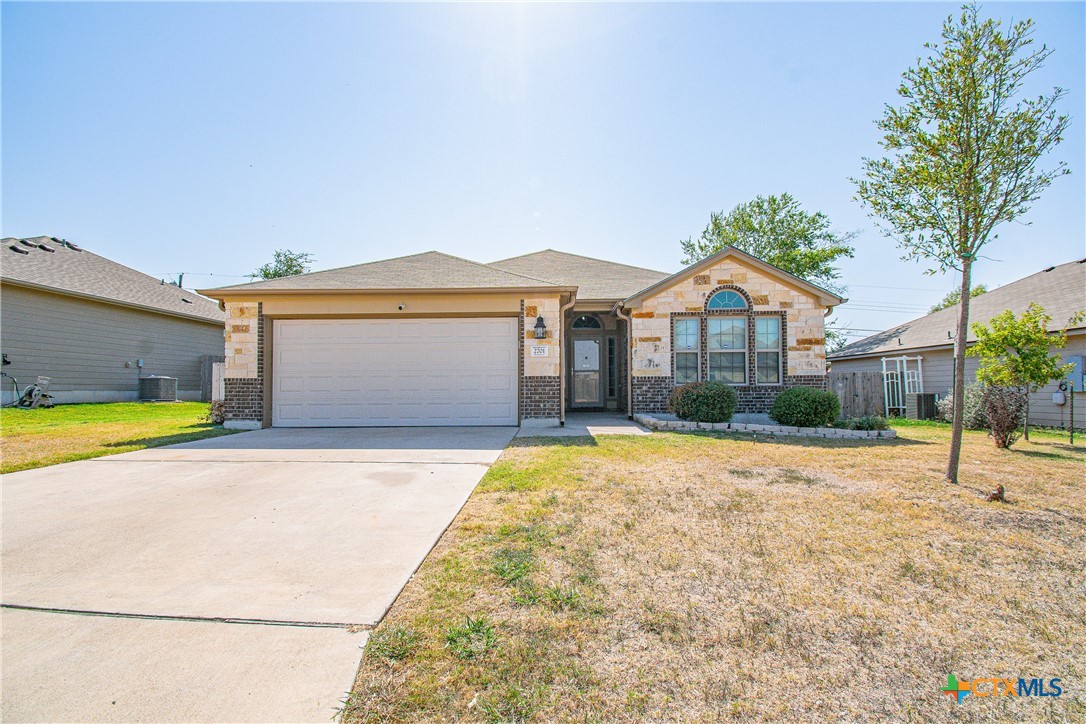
[207,376]
[861,393]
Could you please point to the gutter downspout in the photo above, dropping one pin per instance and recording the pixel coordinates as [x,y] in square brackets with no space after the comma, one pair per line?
[629,359]
[562,359]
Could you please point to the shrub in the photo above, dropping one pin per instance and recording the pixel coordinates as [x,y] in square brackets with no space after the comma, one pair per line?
[703,402]
[867,422]
[974,407]
[216,412]
[805,407]
[1005,408]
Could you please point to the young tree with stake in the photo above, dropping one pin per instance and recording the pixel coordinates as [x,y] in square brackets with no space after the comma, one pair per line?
[963,154]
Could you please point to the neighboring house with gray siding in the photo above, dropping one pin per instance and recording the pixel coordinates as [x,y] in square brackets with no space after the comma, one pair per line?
[86,322]
[1061,290]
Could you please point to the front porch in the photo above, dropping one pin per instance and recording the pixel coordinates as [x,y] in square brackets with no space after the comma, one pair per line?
[595,359]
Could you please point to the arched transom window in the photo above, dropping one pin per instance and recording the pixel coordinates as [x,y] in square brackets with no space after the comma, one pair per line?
[586,321]
[727,299]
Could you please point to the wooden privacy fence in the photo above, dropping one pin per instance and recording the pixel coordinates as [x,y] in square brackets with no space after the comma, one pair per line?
[209,377]
[861,393]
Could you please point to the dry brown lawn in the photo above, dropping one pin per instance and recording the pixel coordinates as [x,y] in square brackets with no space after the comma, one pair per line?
[703,578]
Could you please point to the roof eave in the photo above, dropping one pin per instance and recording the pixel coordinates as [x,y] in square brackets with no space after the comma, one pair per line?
[114,302]
[825,297]
[224,292]
[898,351]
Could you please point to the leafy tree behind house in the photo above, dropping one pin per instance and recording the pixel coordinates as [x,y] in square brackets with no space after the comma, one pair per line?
[1016,352]
[778,230]
[952,298]
[285,263]
[963,155]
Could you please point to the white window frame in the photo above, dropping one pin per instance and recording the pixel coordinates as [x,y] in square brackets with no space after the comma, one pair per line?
[779,351]
[696,351]
[745,351]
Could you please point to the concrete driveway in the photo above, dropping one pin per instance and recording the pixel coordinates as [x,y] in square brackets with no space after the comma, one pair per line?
[229,579]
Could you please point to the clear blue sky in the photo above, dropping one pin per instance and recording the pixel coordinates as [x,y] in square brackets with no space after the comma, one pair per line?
[201,137]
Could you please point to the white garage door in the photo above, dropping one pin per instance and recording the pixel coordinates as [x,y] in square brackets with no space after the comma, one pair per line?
[371,372]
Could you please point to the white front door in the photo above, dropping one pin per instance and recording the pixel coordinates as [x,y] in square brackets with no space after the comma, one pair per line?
[378,372]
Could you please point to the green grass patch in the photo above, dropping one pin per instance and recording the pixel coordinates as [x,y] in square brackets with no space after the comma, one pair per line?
[393,643]
[47,436]
[512,564]
[471,639]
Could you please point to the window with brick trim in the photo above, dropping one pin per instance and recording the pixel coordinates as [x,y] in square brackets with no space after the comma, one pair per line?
[687,349]
[737,345]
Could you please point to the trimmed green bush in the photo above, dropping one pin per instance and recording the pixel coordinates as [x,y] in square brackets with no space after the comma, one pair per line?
[805,407]
[703,402]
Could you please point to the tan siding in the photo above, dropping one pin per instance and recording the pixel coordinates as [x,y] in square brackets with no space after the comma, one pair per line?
[84,345]
[939,375]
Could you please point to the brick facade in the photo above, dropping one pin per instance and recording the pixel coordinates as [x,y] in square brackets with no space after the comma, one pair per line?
[650,394]
[539,397]
[243,397]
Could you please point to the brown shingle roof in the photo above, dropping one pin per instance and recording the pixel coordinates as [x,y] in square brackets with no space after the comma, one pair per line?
[55,265]
[429,270]
[594,278]
[1061,290]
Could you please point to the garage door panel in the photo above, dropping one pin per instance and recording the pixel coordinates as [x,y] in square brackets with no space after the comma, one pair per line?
[395,372]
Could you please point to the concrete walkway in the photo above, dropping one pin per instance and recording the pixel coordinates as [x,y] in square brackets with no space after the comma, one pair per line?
[229,579]
[581,424]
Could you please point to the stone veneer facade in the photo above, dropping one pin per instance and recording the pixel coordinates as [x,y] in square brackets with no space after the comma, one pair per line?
[803,353]
[243,382]
[540,377]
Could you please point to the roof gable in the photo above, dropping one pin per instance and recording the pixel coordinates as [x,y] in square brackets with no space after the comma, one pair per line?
[594,278]
[1061,290]
[44,262]
[824,296]
[431,270]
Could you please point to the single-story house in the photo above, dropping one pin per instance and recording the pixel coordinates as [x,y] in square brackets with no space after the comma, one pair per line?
[433,339]
[95,326]
[1061,290]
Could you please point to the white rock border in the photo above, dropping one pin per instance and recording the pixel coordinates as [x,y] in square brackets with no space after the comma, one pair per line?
[655,423]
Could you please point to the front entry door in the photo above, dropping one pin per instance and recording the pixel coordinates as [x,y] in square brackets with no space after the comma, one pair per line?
[587,389]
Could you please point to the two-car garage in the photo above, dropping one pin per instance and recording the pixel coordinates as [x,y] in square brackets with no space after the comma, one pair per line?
[377,372]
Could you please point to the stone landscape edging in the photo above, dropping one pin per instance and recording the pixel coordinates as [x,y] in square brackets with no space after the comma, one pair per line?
[655,423]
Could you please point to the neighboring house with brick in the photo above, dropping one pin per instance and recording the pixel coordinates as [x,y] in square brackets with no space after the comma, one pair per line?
[432,339]
[86,322]
[1061,290]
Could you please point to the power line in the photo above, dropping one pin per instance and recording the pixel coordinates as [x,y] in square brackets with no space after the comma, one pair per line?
[203,274]
[908,289]
[883,302]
